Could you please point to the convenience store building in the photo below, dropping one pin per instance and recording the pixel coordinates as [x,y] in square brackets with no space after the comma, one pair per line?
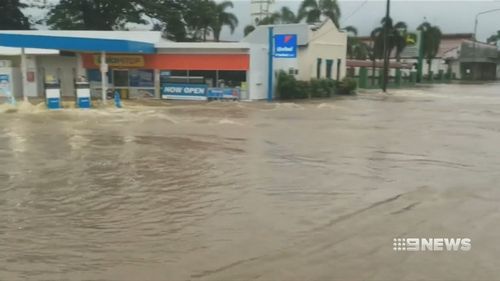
[143,62]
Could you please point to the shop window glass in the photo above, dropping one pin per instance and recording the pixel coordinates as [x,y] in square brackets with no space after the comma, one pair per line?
[142,78]
[94,75]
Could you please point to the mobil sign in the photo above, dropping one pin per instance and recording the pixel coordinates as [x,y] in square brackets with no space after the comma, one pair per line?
[184,92]
[285,46]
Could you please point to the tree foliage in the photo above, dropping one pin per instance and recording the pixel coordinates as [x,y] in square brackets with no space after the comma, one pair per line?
[11,16]
[313,11]
[396,35]
[223,18]
[95,14]
[493,39]
[432,40]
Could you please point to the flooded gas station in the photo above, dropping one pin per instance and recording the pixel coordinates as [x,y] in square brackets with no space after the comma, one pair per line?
[311,190]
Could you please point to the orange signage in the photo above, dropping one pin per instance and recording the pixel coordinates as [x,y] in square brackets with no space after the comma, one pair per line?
[121,60]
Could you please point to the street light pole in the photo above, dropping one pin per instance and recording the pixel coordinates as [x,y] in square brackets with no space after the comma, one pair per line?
[386,46]
[477,18]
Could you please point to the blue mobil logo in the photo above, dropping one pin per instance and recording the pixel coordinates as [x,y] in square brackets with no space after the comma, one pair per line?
[184,92]
[285,46]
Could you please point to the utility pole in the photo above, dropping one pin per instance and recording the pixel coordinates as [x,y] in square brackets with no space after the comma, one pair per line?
[386,47]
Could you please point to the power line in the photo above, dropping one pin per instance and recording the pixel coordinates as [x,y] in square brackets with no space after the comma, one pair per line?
[355,11]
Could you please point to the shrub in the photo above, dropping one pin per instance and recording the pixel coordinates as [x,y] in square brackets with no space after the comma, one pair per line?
[347,86]
[303,90]
[290,88]
[287,86]
[328,87]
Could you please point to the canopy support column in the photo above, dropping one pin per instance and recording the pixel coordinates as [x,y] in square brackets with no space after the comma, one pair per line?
[104,77]
[24,70]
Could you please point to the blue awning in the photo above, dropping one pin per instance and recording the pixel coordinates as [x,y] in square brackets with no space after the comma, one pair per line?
[75,44]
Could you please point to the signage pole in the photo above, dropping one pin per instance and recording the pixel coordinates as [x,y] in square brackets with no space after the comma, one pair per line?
[270,64]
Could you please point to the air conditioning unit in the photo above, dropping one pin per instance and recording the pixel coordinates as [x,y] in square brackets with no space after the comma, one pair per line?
[5,63]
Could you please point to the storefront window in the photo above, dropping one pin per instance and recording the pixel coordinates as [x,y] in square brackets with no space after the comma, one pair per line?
[232,78]
[211,78]
[142,78]
[94,75]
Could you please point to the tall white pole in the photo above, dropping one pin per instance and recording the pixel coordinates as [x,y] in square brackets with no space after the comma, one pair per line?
[104,77]
[24,70]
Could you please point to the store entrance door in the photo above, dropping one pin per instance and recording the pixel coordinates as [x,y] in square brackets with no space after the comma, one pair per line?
[121,82]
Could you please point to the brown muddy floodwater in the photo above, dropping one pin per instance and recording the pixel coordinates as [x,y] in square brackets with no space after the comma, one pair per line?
[254,191]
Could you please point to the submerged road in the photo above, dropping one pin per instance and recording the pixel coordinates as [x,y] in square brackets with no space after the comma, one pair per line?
[254,191]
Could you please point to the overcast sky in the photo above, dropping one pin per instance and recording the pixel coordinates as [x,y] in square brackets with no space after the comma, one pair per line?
[451,16]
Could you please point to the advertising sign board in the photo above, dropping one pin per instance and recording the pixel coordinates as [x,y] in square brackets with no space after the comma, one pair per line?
[184,91]
[285,46]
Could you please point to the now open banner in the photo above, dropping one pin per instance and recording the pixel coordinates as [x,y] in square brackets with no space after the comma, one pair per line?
[184,92]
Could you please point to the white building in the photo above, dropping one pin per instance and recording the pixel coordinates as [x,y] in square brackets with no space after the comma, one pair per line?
[260,9]
[321,54]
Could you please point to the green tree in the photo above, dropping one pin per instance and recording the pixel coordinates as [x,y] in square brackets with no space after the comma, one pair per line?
[314,10]
[95,14]
[287,16]
[284,16]
[199,16]
[355,48]
[493,38]
[169,17]
[432,40]
[11,16]
[396,36]
[352,41]
[223,18]
[376,48]
[399,32]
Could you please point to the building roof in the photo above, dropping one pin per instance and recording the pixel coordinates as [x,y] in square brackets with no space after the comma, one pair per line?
[305,32]
[81,41]
[152,37]
[8,51]
[378,64]
[448,42]
[202,45]
[260,34]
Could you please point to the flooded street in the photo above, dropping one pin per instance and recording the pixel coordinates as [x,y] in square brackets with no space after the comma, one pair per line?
[254,191]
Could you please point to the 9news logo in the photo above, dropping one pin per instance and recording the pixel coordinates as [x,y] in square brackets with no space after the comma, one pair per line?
[431,244]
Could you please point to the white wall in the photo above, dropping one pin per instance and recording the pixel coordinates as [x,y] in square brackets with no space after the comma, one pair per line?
[326,43]
[258,74]
[62,67]
[31,66]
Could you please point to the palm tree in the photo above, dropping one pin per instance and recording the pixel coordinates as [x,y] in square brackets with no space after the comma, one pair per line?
[288,16]
[355,48]
[223,18]
[376,48]
[273,18]
[313,11]
[284,16]
[399,31]
[352,32]
[432,40]
[396,36]
[248,29]
[199,17]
